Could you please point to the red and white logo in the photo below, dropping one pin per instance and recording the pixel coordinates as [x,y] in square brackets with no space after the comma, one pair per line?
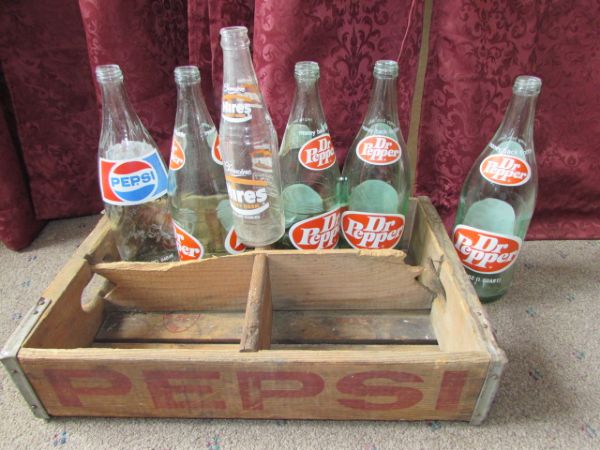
[233,245]
[318,232]
[485,252]
[215,151]
[317,154]
[188,247]
[378,150]
[371,230]
[177,159]
[505,170]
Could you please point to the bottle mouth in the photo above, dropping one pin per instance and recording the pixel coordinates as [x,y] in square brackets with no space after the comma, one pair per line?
[108,73]
[234,37]
[187,74]
[385,68]
[307,70]
[527,85]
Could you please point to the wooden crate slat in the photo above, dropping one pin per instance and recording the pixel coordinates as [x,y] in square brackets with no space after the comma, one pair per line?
[288,327]
[298,384]
[361,278]
[215,283]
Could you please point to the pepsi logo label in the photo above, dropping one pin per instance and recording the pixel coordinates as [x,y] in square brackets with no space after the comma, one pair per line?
[133,181]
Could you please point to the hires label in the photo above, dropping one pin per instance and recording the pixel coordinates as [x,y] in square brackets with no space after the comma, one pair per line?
[177,159]
[371,230]
[379,150]
[318,153]
[248,198]
[238,102]
[188,247]
[505,170]
[485,252]
[233,245]
[132,181]
[318,232]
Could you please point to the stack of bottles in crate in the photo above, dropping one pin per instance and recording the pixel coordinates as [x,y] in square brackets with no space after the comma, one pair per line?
[235,188]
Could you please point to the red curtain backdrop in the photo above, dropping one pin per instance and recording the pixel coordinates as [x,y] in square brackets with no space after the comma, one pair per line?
[49,49]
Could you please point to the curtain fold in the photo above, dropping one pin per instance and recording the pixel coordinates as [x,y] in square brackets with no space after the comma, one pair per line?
[49,49]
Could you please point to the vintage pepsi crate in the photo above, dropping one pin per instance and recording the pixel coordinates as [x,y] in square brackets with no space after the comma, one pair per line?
[340,334]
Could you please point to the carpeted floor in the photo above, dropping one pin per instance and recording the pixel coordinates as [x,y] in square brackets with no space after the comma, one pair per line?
[549,396]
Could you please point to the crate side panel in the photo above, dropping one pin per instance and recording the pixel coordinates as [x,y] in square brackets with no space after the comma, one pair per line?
[273,384]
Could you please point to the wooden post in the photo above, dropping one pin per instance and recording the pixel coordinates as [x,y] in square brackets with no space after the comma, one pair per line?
[256,334]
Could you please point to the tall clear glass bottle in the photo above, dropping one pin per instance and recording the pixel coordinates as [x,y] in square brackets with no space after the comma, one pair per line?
[202,218]
[309,169]
[377,171]
[498,197]
[133,178]
[248,146]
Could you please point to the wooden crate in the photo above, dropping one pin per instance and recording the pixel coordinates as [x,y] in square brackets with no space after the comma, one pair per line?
[340,334]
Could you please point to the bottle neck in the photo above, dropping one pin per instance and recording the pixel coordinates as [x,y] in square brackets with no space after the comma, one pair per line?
[188,93]
[383,106]
[518,121]
[307,103]
[116,107]
[237,66]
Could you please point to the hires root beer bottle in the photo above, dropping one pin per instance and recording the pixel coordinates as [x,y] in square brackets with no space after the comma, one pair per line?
[377,170]
[309,169]
[248,146]
[202,218]
[498,197]
[133,178]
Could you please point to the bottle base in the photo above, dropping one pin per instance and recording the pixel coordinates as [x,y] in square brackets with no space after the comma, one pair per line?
[491,299]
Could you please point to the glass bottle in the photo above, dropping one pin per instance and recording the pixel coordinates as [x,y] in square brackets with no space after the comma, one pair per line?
[248,146]
[202,218]
[377,171]
[498,197]
[309,169]
[133,178]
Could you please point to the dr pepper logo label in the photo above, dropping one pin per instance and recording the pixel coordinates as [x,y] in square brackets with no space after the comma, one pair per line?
[317,154]
[378,150]
[132,181]
[233,245]
[505,170]
[215,151]
[372,231]
[318,232]
[485,252]
[177,159]
[188,247]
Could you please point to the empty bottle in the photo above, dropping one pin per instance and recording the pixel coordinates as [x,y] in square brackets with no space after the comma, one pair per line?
[133,178]
[309,169]
[198,196]
[248,146]
[377,170]
[498,197]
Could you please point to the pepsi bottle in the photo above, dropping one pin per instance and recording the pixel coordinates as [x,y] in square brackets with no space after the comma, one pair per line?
[309,169]
[133,177]
[202,216]
[376,170]
[498,197]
